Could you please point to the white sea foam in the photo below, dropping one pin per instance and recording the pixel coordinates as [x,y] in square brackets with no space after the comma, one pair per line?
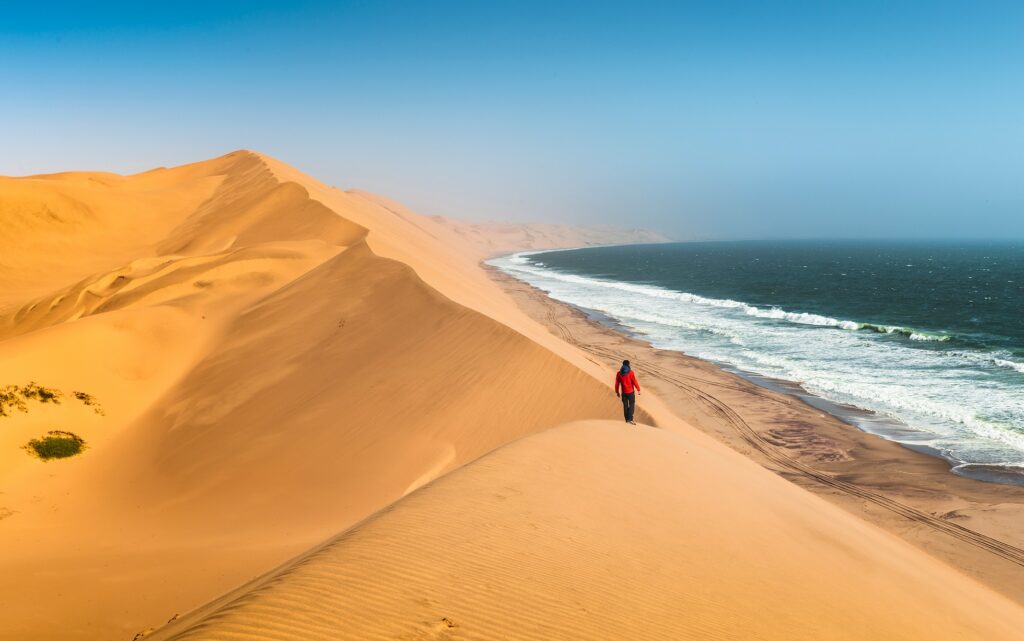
[1002,362]
[523,265]
[959,402]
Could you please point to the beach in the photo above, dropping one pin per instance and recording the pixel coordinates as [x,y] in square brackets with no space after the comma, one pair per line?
[972,525]
[305,412]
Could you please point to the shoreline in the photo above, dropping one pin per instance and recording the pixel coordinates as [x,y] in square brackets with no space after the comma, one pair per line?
[909,405]
[848,414]
[969,523]
[844,412]
[856,417]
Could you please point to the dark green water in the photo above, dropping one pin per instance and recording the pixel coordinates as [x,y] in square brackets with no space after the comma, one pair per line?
[927,334]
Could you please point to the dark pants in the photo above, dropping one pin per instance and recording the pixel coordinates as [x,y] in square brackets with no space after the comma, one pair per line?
[628,405]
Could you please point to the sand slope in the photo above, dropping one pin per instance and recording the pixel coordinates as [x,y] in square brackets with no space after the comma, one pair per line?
[60,227]
[267,380]
[277,360]
[595,531]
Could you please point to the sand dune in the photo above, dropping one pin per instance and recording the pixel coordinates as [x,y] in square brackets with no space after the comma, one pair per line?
[494,238]
[267,380]
[503,238]
[277,360]
[61,227]
[592,531]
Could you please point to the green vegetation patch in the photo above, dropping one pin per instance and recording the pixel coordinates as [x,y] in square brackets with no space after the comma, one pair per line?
[11,400]
[42,394]
[56,444]
[89,400]
[12,397]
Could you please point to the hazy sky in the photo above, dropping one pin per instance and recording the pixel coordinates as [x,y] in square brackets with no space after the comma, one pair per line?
[715,119]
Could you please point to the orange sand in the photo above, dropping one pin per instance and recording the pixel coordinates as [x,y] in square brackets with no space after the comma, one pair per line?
[278,360]
[595,531]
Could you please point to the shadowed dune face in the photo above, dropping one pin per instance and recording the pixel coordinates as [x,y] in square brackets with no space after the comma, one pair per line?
[344,389]
[146,235]
[267,380]
[592,531]
[253,207]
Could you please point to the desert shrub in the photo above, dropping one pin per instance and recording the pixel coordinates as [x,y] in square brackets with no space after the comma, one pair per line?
[56,444]
[42,394]
[89,400]
[11,399]
[14,397]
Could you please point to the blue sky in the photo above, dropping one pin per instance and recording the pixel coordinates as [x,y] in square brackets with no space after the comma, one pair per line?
[716,119]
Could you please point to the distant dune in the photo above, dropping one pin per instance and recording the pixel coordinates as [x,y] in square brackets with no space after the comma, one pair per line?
[499,238]
[257,362]
[493,238]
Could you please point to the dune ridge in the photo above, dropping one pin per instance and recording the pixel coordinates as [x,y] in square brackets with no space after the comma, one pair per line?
[267,380]
[61,227]
[592,531]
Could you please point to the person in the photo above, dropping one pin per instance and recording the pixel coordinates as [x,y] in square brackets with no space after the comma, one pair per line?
[626,379]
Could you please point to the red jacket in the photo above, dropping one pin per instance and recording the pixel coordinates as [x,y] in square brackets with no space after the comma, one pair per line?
[627,382]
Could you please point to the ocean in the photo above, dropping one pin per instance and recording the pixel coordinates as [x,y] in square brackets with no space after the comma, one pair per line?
[927,337]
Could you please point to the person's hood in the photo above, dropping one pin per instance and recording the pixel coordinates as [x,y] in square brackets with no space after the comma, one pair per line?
[624,370]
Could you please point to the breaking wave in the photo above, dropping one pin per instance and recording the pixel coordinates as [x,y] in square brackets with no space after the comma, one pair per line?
[522,264]
[951,393]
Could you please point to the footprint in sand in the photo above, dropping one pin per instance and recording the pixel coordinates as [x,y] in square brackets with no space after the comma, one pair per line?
[437,630]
